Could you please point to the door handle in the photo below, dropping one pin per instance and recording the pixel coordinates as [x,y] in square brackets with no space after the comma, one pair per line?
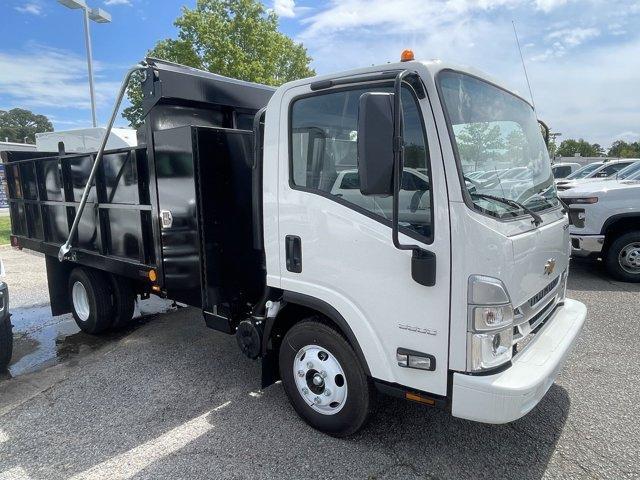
[293,250]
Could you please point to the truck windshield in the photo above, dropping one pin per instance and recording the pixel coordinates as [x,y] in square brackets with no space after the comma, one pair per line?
[497,133]
[585,171]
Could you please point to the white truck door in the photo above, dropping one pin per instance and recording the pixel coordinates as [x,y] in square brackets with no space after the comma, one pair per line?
[336,245]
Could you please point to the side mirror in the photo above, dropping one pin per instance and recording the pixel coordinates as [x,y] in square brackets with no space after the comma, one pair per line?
[375,143]
[544,130]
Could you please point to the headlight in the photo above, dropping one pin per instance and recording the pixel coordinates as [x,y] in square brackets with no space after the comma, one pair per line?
[490,328]
[490,318]
[490,350]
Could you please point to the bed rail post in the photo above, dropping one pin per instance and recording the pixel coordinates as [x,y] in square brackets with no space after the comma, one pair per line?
[66,248]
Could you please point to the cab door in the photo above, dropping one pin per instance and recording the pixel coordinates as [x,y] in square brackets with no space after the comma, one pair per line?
[335,244]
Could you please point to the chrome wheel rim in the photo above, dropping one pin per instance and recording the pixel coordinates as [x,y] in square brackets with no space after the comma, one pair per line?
[320,379]
[80,301]
[629,258]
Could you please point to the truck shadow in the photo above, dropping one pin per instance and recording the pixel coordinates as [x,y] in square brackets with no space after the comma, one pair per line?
[589,275]
[428,441]
[164,375]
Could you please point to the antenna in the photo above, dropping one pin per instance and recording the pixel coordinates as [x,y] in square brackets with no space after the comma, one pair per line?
[515,32]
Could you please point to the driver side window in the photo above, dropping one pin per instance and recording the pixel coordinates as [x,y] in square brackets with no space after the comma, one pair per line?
[323,139]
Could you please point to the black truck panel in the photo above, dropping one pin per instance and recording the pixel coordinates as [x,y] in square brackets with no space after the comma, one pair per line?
[195,161]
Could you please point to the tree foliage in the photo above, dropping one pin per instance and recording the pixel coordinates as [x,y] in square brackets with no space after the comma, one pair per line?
[622,149]
[234,38]
[569,147]
[479,142]
[18,125]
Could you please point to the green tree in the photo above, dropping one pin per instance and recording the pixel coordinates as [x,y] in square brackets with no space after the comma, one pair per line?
[516,143]
[19,124]
[479,142]
[622,149]
[569,147]
[235,38]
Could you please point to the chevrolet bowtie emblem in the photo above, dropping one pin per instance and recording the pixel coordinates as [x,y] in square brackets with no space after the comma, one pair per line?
[550,266]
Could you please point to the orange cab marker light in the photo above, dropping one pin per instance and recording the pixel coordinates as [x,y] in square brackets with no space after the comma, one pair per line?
[153,276]
[414,397]
[407,56]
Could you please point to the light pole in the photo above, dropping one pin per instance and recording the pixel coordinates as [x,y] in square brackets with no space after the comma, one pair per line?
[99,16]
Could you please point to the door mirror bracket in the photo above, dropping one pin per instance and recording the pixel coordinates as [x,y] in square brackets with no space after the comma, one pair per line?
[380,147]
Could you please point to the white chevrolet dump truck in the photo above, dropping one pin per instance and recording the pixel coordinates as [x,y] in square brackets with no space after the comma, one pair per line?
[333,226]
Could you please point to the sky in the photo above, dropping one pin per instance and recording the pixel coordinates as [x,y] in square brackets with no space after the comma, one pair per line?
[583,57]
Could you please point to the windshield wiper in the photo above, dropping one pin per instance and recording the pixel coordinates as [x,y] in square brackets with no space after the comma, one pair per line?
[537,219]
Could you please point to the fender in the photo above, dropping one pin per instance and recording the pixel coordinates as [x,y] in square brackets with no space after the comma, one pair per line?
[333,314]
[614,218]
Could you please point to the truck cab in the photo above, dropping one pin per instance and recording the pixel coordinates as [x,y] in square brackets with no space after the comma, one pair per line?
[464,306]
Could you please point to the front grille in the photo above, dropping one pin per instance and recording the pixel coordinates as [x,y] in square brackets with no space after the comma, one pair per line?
[544,292]
[542,315]
[533,314]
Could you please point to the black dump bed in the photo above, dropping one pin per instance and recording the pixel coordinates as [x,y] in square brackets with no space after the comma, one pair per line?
[192,168]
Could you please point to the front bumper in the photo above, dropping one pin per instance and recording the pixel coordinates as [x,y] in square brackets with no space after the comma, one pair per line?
[512,393]
[586,245]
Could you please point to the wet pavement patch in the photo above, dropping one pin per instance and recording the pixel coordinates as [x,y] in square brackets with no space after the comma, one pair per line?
[41,340]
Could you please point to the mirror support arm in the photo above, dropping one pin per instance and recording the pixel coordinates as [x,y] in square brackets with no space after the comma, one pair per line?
[398,160]
[423,262]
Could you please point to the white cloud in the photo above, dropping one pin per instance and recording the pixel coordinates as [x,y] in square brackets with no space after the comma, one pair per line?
[30,8]
[584,78]
[548,5]
[628,136]
[284,8]
[117,2]
[47,77]
[572,37]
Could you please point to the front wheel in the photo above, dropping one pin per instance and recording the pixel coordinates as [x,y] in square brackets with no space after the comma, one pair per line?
[324,379]
[623,257]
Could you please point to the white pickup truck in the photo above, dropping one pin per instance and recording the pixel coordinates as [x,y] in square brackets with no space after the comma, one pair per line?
[605,222]
[607,170]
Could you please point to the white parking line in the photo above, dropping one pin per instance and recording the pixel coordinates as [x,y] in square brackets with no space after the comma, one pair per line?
[130,463]
[17,473]
[3,437]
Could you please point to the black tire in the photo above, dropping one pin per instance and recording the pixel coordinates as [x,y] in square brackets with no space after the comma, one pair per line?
[613,261]
[123,301]
[98,296]
[6,342]
[360,393]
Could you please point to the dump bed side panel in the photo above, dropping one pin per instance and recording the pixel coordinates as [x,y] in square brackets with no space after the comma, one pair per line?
[115,228]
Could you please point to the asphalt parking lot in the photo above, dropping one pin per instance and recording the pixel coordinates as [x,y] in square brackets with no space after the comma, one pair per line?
[172,399]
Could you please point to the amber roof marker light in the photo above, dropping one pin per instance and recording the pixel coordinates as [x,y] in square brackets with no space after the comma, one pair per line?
[407,56]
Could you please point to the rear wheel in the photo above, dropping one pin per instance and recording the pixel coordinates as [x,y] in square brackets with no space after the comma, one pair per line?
[6,343]
[124,301]
[324,380]
[623,257]
[90,294]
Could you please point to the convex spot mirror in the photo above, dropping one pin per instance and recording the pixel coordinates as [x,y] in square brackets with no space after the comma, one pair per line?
[375,143]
